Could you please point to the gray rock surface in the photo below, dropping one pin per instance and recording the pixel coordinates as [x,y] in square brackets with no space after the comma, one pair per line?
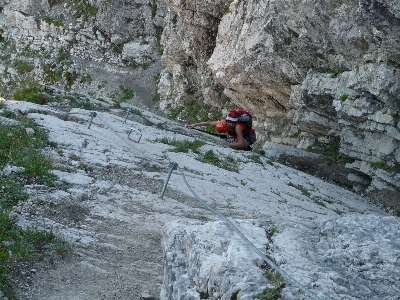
[82,47]
[209,261]
[342,257]
[307,71]
[351,257]
[130,244]
[321,79]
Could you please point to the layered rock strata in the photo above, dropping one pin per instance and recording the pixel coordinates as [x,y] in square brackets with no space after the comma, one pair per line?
[99,49]
[319,76]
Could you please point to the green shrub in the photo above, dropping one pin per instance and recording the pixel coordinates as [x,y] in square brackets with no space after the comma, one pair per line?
[156,97]
[70,78]
[60,56]
[22,66]
[195,113]
[302,189]
[86,8]
[153,9]
[12,192]
[183,145]
[259,151]
[30,91]
[343,97]
[50,75]
[19,149]
[48,20]
[174,112]
[126,94]
[17,244]
[256,159]
[210,157]
[274,278]
[91,9]
[393,168]
[8,114]
[133,64]
[269,294]
[331,154]
[145,65]
[86,79]
[379,164]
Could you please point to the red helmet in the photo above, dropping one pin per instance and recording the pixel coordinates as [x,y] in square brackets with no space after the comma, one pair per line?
[222,127]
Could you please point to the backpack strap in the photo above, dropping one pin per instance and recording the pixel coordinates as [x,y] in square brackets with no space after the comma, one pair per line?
[233,126]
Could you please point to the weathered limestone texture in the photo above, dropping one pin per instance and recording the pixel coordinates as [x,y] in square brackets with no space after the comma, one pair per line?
[95,48]
[355,256]
[209,261]
[349,257]
[316,75]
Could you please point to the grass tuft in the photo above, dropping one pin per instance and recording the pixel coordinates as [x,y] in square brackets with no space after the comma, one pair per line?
[23,150]
[269,294]
[210,157]
[183,145]
[22,66]
[343,97]
[30,91]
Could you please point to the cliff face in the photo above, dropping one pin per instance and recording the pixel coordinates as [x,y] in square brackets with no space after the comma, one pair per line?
[107,50]
[322,81]
[322,77]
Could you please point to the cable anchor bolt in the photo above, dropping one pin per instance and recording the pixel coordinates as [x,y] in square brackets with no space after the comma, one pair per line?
[173,166]
[92,115]
[128,112]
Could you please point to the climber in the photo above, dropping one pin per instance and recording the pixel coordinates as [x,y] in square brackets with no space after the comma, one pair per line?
[238,124]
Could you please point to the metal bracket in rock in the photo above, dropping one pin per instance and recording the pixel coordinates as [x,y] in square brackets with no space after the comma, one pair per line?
[92,115]
[173,166]
[137,131]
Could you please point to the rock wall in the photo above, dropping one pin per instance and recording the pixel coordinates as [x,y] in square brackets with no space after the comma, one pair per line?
[348,257]
[319,76]
[99,49]
[209,261]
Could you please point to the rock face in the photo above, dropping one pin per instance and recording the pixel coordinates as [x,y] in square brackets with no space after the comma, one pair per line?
[321,77]
[350,257]
[96,48]
[131,244]
[209,261]
[316,76]
[353,244]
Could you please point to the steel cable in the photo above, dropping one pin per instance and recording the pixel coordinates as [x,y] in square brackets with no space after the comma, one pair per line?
[225,219]
[262,255]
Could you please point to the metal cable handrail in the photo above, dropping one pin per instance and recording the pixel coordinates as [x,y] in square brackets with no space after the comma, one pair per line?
[262,255]
[229,223]
[225,219]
